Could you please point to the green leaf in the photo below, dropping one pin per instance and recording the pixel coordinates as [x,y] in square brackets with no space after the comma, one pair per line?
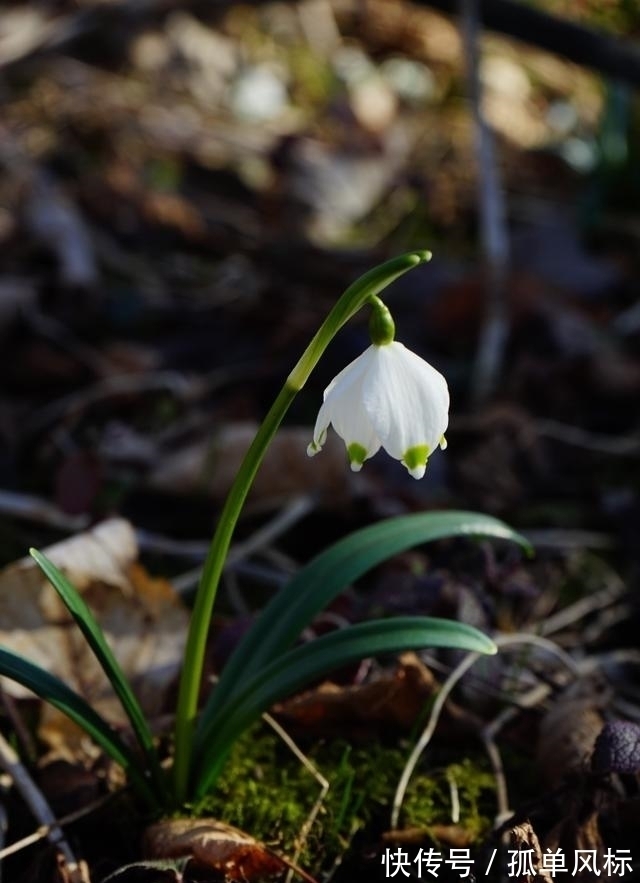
[310,661]
[316,585]
[103,653]
[56,692]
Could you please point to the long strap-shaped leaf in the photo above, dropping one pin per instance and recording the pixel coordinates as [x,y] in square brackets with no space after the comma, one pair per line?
[316,585]
[110,665]
[56,692]
[313,660]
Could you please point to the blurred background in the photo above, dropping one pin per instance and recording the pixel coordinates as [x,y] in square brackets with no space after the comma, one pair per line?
[186,187]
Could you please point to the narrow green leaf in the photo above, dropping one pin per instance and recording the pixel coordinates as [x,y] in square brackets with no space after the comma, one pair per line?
[316,585]
[95,638]
[58,694]
[310,661]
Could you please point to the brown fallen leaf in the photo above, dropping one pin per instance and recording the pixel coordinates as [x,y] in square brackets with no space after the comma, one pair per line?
[215,846]
[523,838]
[392,700]
[142,617]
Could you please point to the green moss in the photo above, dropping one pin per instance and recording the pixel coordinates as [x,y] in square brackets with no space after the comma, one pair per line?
[267,792]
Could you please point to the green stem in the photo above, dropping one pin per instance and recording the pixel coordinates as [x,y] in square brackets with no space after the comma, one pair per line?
[350,302]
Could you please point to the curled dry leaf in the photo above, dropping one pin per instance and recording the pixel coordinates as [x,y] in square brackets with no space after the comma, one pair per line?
[142,617]
[393,700]
[523,837]
[214,846]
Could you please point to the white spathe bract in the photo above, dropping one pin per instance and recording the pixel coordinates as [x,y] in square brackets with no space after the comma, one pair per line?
[388,397]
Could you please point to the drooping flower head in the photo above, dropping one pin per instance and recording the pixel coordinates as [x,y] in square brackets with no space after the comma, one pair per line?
[388,397]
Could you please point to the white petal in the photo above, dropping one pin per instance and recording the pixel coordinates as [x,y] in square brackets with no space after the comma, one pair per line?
[343,407]
[416,471]
[407,401]
[340,385]
[319,432]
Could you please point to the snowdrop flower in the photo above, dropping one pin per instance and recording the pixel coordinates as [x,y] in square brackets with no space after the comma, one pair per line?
[388,397]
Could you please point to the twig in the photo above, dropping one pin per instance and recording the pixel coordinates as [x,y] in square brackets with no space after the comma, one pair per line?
[184,387]
[620,446]
[20,730]
[455,798]
[45,830]
[514,420]
[65,340]
[428,732]
[608,620]
[532,698]
[149,541]
[579,609]
[37,509]
[621,656]
[493,227]
[520,638]
[497,768]
[4,825]
[297,509]
[324,787]
[38,805]
[234,594]
[187,582]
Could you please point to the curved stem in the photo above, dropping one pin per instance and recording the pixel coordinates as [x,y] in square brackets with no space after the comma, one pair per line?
[350,302]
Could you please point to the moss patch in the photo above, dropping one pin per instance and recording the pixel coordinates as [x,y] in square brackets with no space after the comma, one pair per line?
[265,791]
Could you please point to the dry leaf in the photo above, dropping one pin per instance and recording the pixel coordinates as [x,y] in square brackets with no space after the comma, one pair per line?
[394,700]
[143,620]
[213,845]
[523,837]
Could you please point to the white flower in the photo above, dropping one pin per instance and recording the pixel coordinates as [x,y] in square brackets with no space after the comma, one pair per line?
[388,397]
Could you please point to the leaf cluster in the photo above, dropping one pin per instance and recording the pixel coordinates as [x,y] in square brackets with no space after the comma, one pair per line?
[266,666]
